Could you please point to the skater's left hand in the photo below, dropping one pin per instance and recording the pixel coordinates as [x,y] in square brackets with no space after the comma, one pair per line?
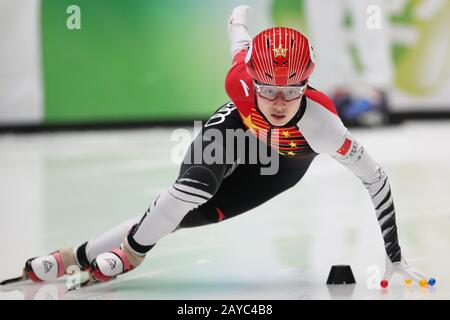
[239,15]
[409,274]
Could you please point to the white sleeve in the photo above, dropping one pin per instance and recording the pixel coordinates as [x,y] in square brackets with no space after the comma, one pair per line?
[326,133]
[355,157]
[237,29]
[323,130]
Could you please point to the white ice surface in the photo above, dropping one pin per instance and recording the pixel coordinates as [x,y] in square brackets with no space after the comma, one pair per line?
[62,189]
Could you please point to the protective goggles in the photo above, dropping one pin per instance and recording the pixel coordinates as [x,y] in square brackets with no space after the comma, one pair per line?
[271,93]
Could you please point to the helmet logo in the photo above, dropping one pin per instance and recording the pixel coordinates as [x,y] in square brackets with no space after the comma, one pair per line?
[280,51]
[248,55]
[312,54]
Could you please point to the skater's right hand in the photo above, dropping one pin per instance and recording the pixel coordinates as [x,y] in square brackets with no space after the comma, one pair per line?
[409,274]
[239,16]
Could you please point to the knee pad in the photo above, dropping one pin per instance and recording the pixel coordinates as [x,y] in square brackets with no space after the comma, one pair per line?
[198,178]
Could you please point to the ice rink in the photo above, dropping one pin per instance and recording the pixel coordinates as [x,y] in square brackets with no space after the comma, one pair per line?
[62,189]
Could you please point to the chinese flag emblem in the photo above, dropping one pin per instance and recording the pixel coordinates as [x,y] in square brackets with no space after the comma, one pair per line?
[345,147]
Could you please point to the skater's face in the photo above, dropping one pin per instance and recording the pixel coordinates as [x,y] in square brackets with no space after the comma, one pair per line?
[279,105]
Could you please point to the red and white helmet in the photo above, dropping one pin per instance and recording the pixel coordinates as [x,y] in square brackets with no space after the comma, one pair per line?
[280,56]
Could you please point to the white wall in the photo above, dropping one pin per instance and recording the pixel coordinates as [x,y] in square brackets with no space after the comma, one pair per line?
[20,62]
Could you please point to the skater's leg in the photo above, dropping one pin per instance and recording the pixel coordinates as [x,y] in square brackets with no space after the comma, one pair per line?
[196,184]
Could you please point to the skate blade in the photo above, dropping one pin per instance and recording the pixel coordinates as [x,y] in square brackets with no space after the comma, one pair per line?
[90,282]
[18,279]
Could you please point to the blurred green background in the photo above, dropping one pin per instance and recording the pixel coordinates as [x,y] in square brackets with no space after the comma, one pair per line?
[145,60]
[134,60]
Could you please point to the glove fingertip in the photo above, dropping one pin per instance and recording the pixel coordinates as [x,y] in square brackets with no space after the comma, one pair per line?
[431,281]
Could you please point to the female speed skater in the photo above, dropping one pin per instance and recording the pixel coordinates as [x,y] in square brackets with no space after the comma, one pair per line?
[271,99]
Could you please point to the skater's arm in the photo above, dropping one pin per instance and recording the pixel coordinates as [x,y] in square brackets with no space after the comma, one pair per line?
[325,133]
[355,157]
